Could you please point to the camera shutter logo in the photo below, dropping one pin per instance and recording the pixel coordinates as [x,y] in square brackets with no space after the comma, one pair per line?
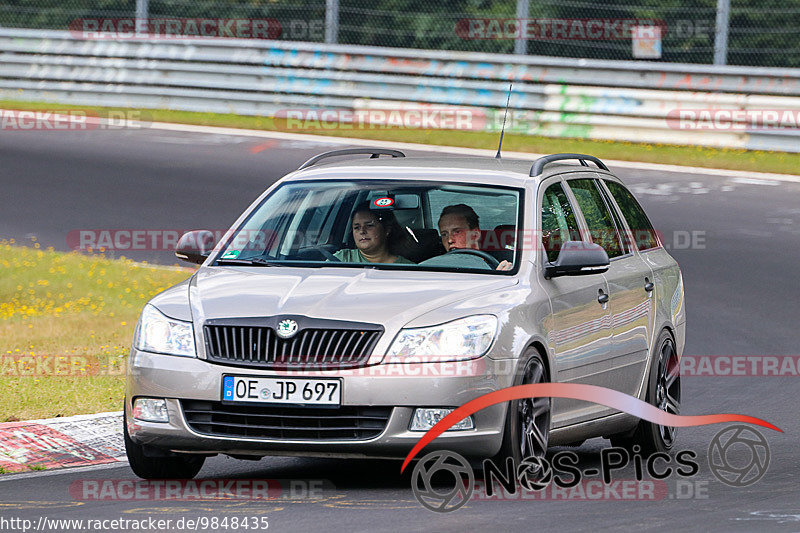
[454,484]
[534,473]
[286,328]
[729,447]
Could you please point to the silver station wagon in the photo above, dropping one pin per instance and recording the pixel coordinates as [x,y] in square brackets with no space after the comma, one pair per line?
[357,302]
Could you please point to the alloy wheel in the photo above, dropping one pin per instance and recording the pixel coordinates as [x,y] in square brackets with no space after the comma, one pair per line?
[668,388]
[534,415]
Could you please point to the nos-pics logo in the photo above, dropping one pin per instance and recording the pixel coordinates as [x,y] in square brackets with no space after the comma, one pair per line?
[444,481]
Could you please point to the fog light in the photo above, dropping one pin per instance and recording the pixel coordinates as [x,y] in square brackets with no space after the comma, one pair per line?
[150,410]
[425,419]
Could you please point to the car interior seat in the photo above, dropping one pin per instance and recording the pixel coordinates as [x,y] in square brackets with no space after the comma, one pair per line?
[499,242]
[420,244]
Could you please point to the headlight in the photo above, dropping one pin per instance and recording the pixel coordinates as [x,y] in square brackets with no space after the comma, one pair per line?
[160,334]
[465,338]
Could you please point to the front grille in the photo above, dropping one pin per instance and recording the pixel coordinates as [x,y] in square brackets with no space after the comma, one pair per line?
[285,423]
[316,348]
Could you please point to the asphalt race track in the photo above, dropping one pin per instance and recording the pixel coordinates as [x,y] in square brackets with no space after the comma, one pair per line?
[737,241]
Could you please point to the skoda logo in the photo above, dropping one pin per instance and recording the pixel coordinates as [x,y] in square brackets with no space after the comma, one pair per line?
[287,328]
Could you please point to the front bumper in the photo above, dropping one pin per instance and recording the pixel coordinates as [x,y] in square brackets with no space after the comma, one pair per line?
[400,386]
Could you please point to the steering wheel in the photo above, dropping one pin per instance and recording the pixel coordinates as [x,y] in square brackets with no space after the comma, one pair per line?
[490,260]
[329,256]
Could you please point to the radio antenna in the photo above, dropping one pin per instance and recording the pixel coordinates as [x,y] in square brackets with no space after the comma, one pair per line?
[503,129]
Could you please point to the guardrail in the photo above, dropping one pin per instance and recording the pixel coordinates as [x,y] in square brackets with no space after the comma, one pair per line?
[735,107]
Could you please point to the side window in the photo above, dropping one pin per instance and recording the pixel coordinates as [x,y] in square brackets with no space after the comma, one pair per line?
[643,232]
[558,221]
[598,218]
[493,210]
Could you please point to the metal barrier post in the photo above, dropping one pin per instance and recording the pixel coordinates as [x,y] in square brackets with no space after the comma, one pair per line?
[521,43]
[142,9]
[331,21]
[721,32]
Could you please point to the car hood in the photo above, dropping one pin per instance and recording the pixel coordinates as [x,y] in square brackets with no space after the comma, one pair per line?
[391,298]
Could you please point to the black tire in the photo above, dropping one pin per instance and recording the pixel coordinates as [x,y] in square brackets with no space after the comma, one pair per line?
[170,467]
[663,391]
[537,412]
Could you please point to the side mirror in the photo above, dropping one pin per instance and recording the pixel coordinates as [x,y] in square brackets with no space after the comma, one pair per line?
[195,246]
[578,258]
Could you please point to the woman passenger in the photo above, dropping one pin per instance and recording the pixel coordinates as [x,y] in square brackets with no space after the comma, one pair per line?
[374,232]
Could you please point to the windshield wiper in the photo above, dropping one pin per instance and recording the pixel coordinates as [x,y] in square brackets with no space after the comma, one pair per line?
[255,261]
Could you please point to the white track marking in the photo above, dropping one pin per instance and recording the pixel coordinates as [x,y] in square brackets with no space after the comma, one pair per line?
[63,470]
[754,181]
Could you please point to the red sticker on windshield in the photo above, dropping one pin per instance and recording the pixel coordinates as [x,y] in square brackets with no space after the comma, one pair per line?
[383,202]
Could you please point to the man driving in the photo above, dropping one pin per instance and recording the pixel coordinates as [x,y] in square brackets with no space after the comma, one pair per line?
[459,228]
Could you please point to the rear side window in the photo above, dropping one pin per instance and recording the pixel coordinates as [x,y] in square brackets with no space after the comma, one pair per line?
[558,221]
[598,217]
[493,209]
[643,232]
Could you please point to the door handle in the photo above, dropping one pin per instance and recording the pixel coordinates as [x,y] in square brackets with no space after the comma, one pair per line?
[602,298]
[648,285]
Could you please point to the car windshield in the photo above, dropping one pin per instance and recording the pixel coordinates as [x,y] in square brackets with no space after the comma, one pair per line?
[392,224]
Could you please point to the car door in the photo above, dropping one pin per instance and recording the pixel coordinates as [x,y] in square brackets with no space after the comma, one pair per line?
[667,290]
[628,277]
[579,332]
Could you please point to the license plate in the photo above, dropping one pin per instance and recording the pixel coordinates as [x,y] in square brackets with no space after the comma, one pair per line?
[282,390]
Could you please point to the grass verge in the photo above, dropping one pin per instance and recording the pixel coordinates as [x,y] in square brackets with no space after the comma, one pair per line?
[733,159]
[66,325]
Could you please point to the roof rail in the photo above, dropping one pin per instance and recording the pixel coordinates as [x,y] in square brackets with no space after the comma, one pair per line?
[539,164]
[374,153]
